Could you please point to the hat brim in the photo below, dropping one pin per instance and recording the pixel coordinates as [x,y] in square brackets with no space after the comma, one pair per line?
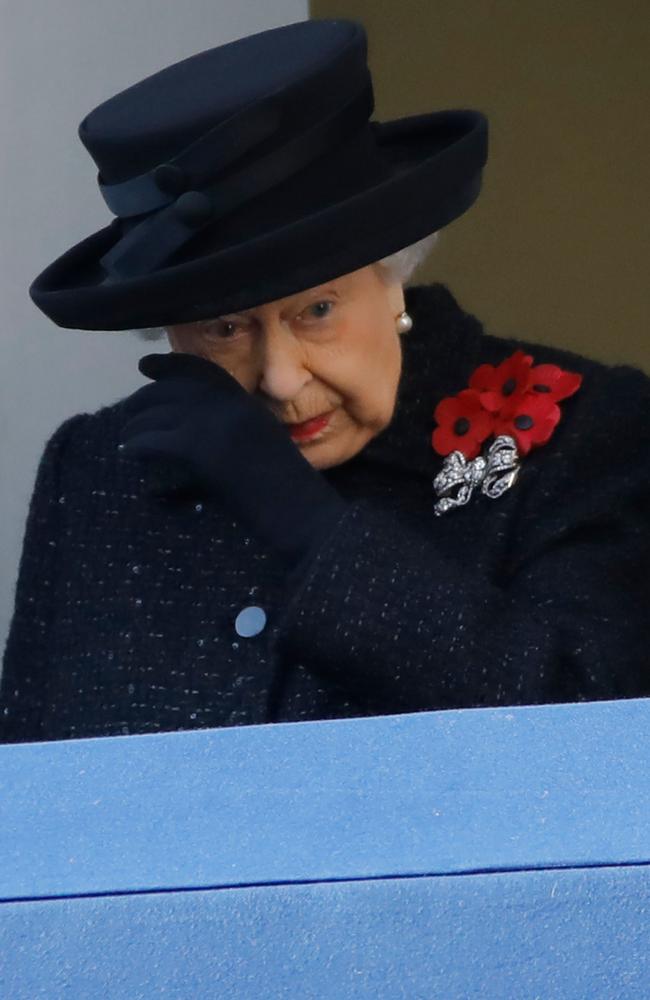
[426,187]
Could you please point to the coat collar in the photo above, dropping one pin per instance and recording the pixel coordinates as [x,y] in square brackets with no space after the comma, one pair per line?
[438,355]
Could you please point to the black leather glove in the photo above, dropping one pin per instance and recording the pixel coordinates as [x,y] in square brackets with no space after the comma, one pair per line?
[230,445]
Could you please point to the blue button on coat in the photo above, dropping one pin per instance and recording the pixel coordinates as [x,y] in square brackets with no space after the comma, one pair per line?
[250,621]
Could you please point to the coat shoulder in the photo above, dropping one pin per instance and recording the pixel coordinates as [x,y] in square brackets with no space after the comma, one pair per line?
[613,400]
[80,453]
[610,412]
[93,431]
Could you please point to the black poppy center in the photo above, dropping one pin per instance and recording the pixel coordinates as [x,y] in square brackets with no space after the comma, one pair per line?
[509,387]
[461,426]
[523,422]
[539,387]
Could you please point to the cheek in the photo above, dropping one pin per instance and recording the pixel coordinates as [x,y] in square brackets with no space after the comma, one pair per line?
[375,372]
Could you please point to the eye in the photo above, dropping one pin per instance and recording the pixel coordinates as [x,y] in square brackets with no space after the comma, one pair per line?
[220,329]
[226,328]
[319,310]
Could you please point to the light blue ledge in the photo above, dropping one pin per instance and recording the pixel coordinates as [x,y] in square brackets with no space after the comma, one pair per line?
[426,794]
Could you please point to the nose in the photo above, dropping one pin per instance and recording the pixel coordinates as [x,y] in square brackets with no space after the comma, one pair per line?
[283,369]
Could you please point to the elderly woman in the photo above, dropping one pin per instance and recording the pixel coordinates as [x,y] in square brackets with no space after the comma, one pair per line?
[334,497]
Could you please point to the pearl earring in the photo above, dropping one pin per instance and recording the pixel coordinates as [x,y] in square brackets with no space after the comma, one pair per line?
[404,323]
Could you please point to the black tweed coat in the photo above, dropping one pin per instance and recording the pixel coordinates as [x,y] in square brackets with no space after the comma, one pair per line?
[126,605]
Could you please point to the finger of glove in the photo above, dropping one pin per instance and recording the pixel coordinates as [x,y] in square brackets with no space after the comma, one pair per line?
[164,417]
[176,364]
[160,393]
[168,476]
[156,443]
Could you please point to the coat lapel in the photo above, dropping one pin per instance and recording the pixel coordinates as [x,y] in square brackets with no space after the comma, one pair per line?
[438,354]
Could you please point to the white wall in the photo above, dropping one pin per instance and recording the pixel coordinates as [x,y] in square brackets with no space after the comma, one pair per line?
[58,60]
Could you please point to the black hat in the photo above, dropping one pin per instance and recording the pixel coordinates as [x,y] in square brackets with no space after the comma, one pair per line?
[249,172]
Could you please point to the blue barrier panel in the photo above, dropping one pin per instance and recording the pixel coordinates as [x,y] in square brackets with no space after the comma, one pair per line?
[570,934]
[491,852]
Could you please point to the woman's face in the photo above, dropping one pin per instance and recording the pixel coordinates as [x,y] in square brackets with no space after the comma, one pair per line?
[331,349]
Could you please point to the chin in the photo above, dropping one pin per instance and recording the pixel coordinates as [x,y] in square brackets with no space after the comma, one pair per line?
[324,463]
[332,453]
[321,456]
[318,460]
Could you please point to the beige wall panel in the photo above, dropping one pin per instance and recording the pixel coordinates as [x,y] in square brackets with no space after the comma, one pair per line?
[557,248]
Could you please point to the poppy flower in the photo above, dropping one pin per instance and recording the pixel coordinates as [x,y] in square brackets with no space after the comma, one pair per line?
[530,420]
[463,424]
[498,386]
[553,382]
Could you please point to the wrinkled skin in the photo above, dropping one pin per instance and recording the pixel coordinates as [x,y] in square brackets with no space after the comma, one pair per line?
[332,347]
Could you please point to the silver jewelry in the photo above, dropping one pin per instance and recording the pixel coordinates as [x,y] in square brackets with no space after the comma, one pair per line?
[494,473]
[404,322]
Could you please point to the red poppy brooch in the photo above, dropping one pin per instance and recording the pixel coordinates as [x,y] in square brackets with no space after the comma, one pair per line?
[515,403]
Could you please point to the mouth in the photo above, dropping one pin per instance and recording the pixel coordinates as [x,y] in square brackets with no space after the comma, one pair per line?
[310,429]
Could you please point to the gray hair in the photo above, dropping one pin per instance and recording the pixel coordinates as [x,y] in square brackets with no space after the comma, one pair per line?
[398,266]
[401,265]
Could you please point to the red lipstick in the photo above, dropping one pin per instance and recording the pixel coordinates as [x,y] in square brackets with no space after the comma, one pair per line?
[309,428]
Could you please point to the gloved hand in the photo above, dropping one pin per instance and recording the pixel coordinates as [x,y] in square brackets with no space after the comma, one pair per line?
[231,445]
